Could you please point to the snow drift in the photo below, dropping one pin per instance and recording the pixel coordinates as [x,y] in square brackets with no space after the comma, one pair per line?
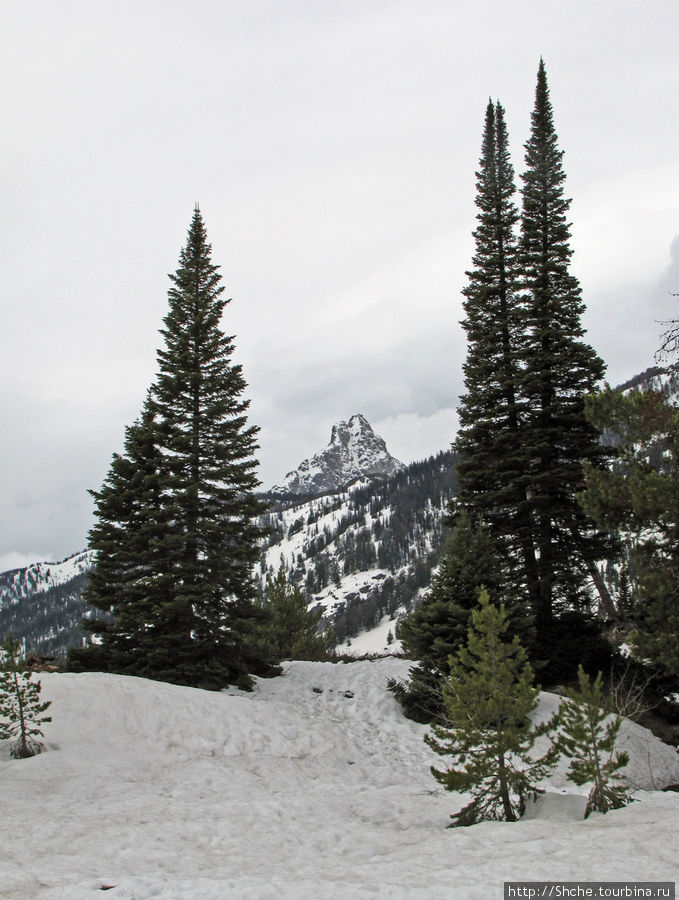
[313,785]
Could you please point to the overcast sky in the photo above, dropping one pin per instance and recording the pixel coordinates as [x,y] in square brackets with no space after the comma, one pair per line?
[332,146]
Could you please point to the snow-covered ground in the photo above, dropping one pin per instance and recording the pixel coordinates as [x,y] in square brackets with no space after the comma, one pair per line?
[314,785]
[374,640]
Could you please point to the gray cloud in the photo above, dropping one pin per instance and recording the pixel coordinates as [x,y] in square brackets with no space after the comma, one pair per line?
[332,148]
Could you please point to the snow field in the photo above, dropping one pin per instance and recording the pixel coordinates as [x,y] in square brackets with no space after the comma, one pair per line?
[314,785]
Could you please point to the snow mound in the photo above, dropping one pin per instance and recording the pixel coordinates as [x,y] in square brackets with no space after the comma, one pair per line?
[313,785]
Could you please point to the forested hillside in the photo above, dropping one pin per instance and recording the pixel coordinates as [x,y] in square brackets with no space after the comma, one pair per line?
[42,604]
[367,552]
[364,553]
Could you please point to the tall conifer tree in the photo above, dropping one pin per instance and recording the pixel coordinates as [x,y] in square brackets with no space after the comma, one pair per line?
[488,408]
[523,434]
[132,575]
[492,411]
[175,537]
[558,370]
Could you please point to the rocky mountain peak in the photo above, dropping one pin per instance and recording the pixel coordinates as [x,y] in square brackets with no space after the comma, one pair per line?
[356,430]
[354,451]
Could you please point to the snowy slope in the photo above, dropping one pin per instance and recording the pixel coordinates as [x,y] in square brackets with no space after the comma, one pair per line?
[365,554]
[170,792]
[42,604]
[18,584]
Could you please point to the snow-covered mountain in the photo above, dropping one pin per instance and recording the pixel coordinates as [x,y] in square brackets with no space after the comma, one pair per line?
[354,452]
[365,553]
[20,584]
[42,604]
[655,378]
[314,785]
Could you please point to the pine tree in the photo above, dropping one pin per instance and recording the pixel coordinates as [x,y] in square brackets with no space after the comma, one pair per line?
[176,538]
[21,712]
[491,410]
[638,498]
[438,625]
[588,736]
[489,697]
[559,370]
[290,629]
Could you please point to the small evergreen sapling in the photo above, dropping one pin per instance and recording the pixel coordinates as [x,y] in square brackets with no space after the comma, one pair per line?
[489,696]
[437,627]
[291,628]
[21,712]
[589,732]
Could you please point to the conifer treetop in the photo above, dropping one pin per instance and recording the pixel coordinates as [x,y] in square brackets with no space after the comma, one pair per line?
[545,231]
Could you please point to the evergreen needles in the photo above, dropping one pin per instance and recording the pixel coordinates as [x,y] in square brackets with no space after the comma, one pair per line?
[489,696]
[489,735]
[639,499]
[589,733]
[438,625]
[21,712]
[175,536]
[523,432]
[290,629]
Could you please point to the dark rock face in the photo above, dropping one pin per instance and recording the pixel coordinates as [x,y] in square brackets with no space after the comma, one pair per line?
[354,451]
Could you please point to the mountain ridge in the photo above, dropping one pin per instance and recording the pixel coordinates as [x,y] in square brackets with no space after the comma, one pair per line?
[354,452]
[364,552]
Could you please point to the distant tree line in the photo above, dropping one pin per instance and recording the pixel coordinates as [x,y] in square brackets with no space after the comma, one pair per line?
[48,621]
[403,536]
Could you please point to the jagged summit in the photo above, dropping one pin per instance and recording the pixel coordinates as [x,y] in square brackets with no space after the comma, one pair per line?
[354,451]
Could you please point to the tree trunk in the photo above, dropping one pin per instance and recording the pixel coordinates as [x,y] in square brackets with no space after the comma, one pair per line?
[504,789]
[24,750]
[607,603]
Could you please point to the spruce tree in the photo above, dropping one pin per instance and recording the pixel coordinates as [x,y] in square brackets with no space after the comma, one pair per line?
[290,629]
[438,625]
[492,411]
[176,538]
[22,714]
[523,434]
[488,409]
[489,697]
[558,370]
[131,581]
[589,730]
